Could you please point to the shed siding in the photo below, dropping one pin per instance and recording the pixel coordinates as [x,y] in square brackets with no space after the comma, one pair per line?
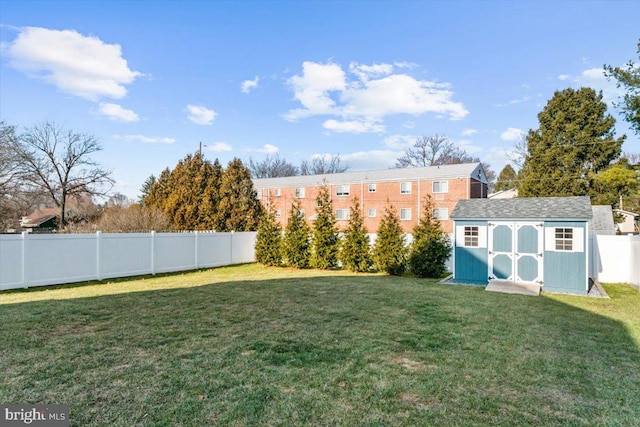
[566,271]
[470,263]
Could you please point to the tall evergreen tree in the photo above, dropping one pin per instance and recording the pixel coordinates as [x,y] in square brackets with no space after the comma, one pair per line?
[575,140]
[269,239]
[355,252]
[325,236]
[431,248]
[211,198]
[389,251]
[145,191]
[628,77]
[239,208]
[296,247]
[507,180]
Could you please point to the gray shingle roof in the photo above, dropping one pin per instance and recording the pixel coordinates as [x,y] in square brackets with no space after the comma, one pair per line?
[534,208]
[602,222]
[431,172]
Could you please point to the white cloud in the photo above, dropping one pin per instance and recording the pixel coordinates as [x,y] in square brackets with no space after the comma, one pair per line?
[81,65]
[511,134]
[399,142]
[248,85]
[563,77]
[353,126]
[469,132]
[201,115]
[218,147]
[596,79]
[146,139]
[370,160]
[364,97]
[269,149]
[117,113]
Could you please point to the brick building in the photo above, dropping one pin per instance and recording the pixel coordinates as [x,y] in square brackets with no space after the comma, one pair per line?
[405,189]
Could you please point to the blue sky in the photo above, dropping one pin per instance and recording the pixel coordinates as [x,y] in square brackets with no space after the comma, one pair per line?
[152,79]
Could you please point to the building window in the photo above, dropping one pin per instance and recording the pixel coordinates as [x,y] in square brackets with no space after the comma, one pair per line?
[278,213]
[405,214]
[276,192]
[371,213]
[440,186]
[342,214]
[342,190]
[372,188]
[300,192]
[441,213]
[405,188]
[471,237]
[564,239]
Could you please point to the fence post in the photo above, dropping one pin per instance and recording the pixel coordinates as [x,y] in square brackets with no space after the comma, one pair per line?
[23,277]
[98,238]
[196,248]
[153,251]
[231,248]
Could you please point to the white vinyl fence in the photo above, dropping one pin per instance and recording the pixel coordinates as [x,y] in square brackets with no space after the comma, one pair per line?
[45,259]
[617,259]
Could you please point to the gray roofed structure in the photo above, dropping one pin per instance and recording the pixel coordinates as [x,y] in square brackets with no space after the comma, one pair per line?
[474,170]
[602,222]
[534,208]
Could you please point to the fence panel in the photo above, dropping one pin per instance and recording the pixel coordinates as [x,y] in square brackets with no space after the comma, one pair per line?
[38,259]
[619,259]
[11,261]
[51,259]
[123,255]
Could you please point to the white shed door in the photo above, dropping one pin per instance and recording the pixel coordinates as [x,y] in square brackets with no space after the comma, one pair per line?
[515,251]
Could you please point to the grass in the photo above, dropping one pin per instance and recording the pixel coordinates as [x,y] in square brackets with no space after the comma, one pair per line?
[250,345]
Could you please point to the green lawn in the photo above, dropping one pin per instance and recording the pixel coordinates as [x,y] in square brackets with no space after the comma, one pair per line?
[250,345]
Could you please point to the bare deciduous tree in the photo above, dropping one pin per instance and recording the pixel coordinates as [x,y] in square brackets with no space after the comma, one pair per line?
[134,218]
[58,162]
[272,167]
[321,165]
[432,151]
[520,150]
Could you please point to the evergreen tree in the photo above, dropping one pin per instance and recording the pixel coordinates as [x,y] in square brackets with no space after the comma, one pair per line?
[211,198]
[296,250]
[431,247]
[628,77]
[355,253]
[269,240]
[507,180]
[389,251]
[145,191]
[159,191]
[325,236]
[575,141]
[239,208]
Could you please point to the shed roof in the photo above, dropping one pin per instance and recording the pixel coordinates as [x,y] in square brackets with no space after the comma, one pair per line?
[474,170]
[602,222]
[531,208]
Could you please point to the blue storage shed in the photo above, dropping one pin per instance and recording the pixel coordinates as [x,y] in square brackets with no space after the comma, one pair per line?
[541,240]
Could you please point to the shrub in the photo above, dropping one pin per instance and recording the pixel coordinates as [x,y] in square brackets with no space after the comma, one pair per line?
[295,246]
[389,251]
[325,236]
[355,253]
[269,240]
[431,247]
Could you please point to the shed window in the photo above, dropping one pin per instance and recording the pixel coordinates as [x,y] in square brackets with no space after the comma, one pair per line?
[342,190]
[405,188]
[440,186]
[471,235]
[564,239]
